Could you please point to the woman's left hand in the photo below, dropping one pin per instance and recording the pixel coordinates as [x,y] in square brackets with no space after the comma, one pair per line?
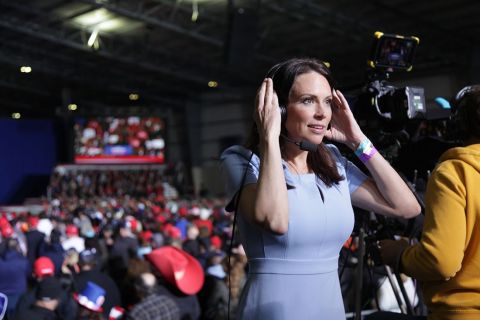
[343,126]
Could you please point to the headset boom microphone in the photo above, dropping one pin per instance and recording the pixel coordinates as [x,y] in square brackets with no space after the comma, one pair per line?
[304,145]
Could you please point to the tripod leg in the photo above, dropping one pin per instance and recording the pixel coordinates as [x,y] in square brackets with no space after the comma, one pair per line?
[410,310]
[391,279]
[404,304]
[359,275]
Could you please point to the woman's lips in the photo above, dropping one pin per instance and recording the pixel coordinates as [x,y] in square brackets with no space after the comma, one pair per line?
[316,128]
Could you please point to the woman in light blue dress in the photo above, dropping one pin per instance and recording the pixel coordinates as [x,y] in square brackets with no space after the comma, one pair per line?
[294,193]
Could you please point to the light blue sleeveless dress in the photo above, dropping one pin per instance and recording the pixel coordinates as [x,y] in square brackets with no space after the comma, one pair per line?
[294,276]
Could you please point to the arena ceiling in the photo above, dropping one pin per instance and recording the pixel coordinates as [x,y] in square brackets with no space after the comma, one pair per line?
[97,53]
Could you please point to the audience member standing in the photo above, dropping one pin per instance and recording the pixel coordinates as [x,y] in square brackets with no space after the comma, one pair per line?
[213,297]
[53,249]
[34,239]
[14,270]
[47,298]
[89,272]
[43,268]
[180,277]
[73,240]
[152,305]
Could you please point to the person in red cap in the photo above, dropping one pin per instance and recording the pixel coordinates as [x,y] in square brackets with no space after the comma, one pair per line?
[73,239]
[145,239]
[6,229]
[215,243]
[180,277]
[44,270]
[174,235]
[34,239]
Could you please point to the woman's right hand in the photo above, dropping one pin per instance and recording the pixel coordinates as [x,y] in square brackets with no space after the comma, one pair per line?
[267,114]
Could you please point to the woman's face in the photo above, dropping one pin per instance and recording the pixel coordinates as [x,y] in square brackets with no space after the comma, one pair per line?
[309,109]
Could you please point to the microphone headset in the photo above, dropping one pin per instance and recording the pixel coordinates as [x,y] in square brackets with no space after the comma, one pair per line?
[303,144]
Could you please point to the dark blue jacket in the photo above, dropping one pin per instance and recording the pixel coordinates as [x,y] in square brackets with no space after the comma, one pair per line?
[14,270]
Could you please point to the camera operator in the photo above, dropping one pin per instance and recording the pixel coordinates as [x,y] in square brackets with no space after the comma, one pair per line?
[447,258]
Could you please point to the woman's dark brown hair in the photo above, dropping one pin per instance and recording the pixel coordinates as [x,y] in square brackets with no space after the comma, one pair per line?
[283,76]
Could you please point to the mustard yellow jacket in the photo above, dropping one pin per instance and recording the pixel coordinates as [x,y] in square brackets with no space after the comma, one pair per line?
[447,259]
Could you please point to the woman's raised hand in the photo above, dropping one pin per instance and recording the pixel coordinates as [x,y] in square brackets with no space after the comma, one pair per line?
[343,126]
[267,114]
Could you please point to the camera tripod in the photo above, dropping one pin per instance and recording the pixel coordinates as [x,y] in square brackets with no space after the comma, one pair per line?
[404,304]
[369,229]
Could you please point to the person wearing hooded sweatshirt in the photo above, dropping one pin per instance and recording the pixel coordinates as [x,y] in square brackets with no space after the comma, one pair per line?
[447,258]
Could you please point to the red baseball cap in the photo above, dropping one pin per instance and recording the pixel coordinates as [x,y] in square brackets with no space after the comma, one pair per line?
[43,266]
[178,268]
[172,231]
[33,221]
[146,235]
[216,242]
[182,211]
[5,228]
[71,230]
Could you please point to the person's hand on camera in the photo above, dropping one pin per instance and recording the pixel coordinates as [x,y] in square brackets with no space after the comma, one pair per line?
[343,126]
[390,251]
[267,114]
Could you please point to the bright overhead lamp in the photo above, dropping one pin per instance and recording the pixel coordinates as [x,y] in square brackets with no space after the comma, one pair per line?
[16,115]
[212,84]
[105,21]
[194,11]
[25,69]
[93,18]
[133,96]
[93,38]
[72,107]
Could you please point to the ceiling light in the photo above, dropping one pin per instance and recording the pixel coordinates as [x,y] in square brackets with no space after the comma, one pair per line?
[16,115]
[93,38]
[25,69]
[105,21]
[133,96]
[72,107]
[194,11]
[212,84]
[94,17]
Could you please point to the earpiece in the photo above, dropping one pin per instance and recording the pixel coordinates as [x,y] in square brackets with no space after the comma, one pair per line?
[271,74]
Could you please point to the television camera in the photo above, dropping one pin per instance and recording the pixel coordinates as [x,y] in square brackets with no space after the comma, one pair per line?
[391,53]
[392,116]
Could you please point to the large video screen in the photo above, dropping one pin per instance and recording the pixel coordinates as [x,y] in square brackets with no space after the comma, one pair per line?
[116,140]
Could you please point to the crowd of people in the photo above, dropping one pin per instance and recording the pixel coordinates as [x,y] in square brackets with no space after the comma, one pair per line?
[119,244]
